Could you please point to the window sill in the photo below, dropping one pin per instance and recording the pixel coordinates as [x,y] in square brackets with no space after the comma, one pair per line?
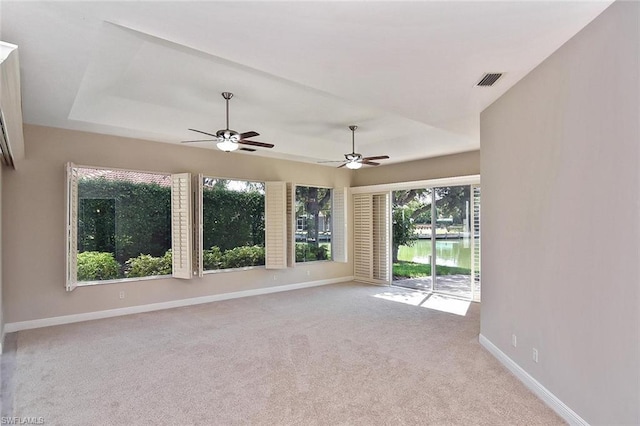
[223,271]
[122,280]
[314,261]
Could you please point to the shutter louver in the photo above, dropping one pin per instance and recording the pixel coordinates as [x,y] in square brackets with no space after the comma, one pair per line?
[275,225]
[181,225]
[291,225]
[339,225]
[381,237]
[362,236]
[475,246]
[72,228]
[198,268]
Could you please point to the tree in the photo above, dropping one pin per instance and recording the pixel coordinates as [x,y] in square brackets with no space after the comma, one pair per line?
[232,218]
[312,200]
[403,231]
[452,202]
[410,206]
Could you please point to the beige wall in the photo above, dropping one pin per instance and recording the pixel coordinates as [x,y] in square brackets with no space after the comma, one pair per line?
[560,211]
[34,216]
[464,164]
[1,273]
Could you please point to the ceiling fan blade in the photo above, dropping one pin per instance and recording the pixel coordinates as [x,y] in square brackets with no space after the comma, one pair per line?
[256,143]
[204,133]
[250,134]
[199,140]
[370,163]
[342,165]
[246,149]
[331,161]
[378,157]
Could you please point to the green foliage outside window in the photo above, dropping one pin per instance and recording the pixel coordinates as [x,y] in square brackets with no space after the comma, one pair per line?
[124,218]
[233,224]
[212,258]
[313,220]
[309,252]
[146,265]
[237,257]
[93,265]
[232,218]
[124,228]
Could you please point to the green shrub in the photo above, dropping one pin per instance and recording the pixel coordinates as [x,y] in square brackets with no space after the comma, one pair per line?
[239,257]
[94,266]
[146,265]
[212,258]
[309,252]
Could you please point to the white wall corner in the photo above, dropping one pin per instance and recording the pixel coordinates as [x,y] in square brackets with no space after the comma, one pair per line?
[534,386]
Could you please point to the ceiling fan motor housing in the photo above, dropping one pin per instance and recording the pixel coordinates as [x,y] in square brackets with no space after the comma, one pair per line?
[228,135]
[354,156]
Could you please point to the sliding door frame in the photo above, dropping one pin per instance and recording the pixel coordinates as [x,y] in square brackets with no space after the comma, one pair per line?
[471,180]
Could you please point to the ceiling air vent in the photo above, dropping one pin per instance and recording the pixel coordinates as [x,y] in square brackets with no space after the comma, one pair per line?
[489,79]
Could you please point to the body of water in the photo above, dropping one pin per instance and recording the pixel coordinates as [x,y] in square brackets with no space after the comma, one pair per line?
[448,252]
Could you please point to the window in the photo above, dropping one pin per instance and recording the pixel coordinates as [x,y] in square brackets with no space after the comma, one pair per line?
[124,224]
[313,215]
[233,219]
[119,224]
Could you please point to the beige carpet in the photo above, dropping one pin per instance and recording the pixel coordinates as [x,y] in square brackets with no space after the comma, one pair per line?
[327,355]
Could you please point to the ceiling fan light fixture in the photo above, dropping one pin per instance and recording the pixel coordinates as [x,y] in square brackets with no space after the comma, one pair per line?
[227,145]
[354,165]
[229,140]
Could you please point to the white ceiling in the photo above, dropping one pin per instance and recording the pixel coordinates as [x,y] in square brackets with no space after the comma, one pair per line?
[301,72]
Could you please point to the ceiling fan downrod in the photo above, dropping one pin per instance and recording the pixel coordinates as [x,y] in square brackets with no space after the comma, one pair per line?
[353,128]
[227,96]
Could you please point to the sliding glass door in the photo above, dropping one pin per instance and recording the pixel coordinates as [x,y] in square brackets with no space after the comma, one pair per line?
[434,247]
[412,248]
[453,241]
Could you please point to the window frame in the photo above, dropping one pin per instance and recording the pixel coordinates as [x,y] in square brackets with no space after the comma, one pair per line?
[72,205]
[280,222]
[199,213]
[294,222]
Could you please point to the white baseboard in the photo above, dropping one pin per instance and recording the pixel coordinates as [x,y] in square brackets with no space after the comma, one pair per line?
[543,393]
[68,319]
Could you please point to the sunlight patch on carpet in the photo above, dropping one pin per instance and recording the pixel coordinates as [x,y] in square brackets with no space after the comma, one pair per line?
[437,302]
[413,298]
[447,304]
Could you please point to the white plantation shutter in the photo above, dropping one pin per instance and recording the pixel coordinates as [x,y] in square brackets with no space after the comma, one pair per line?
[291,225]
[475,246]
[371,239]
[339,225]
[362,236]
[197,226]
[72,228]
[275,225]
[181,225]
[381,238]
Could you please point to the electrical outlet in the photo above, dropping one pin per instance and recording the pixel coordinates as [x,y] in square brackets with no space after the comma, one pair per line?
[308,272]
[535,355]
[514,340]
[122,295]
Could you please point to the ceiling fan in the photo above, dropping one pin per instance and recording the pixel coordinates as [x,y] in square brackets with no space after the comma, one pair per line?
[354,160]
[229,140]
